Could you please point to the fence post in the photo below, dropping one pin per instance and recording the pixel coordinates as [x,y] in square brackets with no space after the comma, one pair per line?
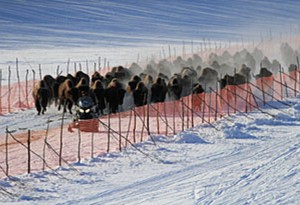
[40,71]
[174,124]
[79,143]
[235,96]
[92,145]
[166,119]
[281,90]
[29,157]
[0,91]
[26,89]
[6,151]
[108,131]
[45,142]
[203,107]
[19,83]
[216,103]
[285,84]
[298,69]
[61,137]
[68,66]
[57,70]
[148,120]
[263,91]
[188,109]
[120,131]
[134,124]
[192,104]
[182,111]
[143,122]
[87,67]
[157,121]
[33,77]
[209,107]
[95,65]
[99,63]
[9,90]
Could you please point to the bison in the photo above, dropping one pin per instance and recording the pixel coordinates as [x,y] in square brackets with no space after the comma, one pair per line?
[68,95]
[174,88]
[158,90]
[97,93]
[114,95]
[41,96]
[264,72]
[140,94]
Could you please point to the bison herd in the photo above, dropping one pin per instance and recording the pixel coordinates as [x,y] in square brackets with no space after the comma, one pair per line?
[123,88]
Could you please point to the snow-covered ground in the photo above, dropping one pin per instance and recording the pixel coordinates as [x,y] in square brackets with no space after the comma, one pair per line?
[252,159]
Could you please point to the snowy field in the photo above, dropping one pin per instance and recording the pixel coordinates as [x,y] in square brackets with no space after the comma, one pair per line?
[253,159]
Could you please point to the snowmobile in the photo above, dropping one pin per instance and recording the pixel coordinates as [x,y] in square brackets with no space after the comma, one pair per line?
[86,115]
[85,109]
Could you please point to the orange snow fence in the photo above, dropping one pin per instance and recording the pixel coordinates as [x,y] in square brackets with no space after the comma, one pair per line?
[47,149]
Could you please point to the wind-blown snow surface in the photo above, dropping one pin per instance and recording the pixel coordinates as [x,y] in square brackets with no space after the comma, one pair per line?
[243,159]
[51,32]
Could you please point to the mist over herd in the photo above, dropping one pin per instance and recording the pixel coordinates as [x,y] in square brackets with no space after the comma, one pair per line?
[123,88]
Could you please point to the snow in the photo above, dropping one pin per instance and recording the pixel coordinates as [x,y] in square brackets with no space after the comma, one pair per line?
[241,159]
[248,159]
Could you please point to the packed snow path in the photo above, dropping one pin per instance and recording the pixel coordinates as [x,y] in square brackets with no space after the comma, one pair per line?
[252,160]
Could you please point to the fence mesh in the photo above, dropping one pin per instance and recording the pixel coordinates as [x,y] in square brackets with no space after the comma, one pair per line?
[38,150]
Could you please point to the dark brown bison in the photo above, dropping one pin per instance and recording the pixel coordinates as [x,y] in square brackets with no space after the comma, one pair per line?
[292,67]
[79,75]
[96,76]
[208,78]
[237,79]
[174,87]
[140,94]
[50,82]
[83,86]
[147,80]
[158,90]
[68,95]
[133,83]
[59,80]
[114,95]
[121,73]
[197,89]
[188,78]
[245,71]
[264,72]
[97,93]
[41,96]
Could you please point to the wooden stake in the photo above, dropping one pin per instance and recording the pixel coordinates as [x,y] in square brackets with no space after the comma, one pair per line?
[79,143]
[26,87]
[40,71]
[61,137]
[0,91]
[9,89]
[6,152]
[19,82]
[28,153]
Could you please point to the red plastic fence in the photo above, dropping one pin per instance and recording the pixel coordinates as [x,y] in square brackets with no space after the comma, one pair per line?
[73,142]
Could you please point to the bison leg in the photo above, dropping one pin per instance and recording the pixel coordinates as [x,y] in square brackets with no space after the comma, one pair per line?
[60,103]
[70,105]
[44,110]
[38,106]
